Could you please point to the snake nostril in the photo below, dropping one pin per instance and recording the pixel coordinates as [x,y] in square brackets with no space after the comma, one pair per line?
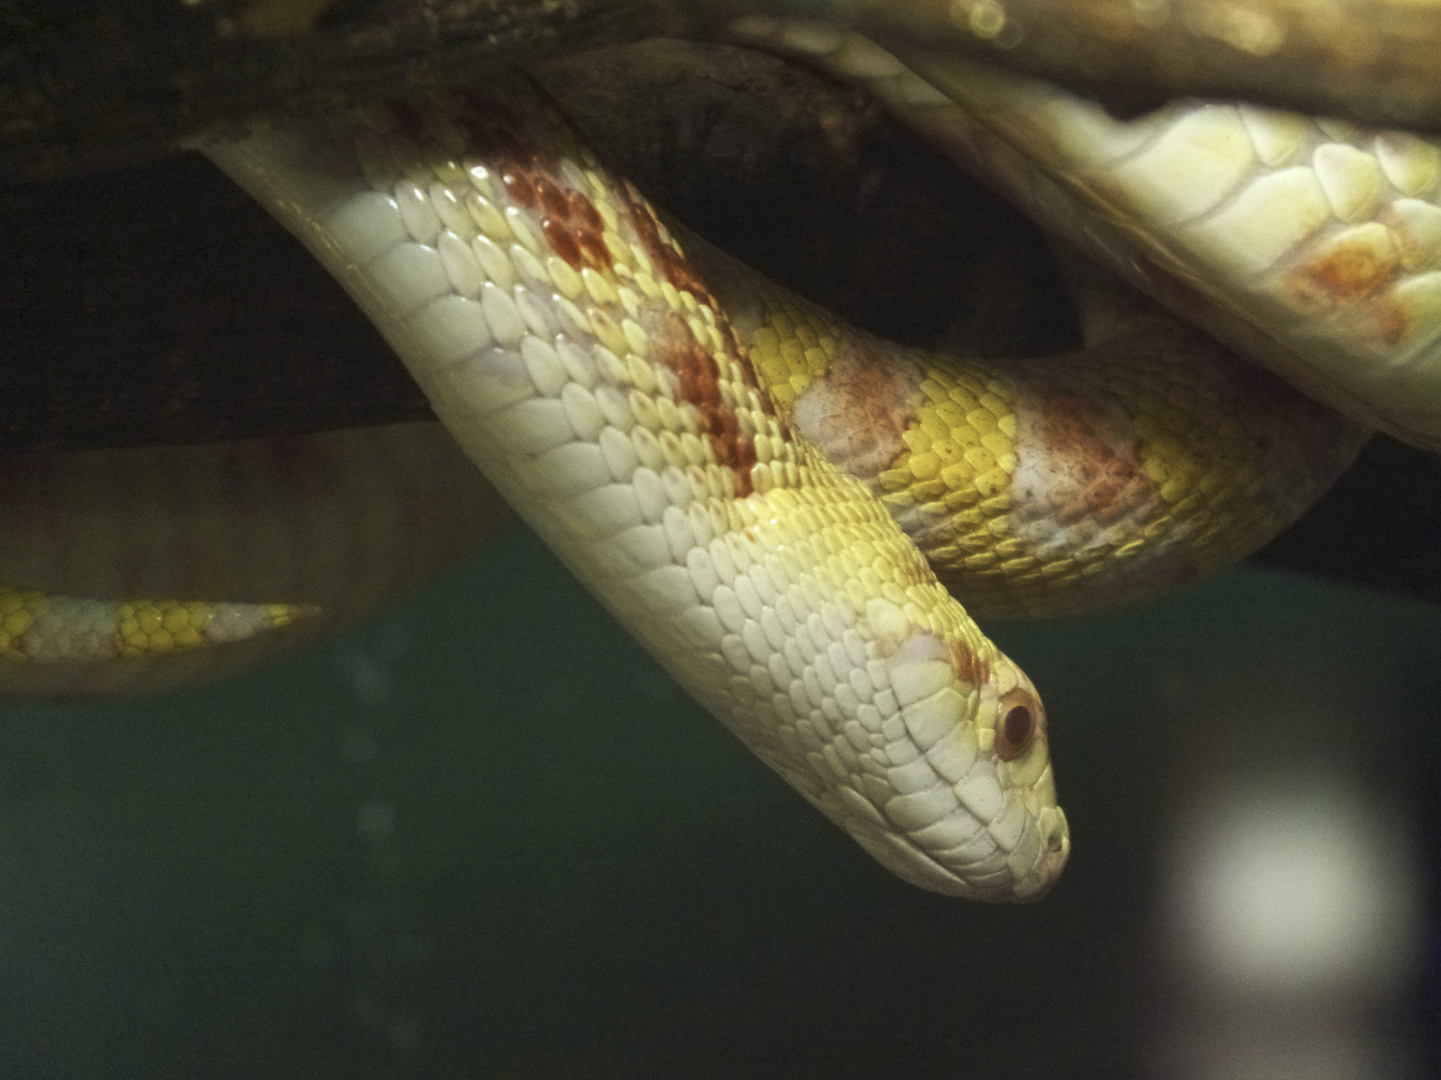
[1059,841]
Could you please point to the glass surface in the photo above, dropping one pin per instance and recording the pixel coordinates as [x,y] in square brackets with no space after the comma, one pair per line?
[488,838]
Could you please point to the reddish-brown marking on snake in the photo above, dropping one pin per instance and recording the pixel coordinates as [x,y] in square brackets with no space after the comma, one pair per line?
[970,669]
[1392,323]
[689,358]
[682,274]
[858,411]
[1101,462]
[529,168]
[553,202]
[700,386]
[1345,273]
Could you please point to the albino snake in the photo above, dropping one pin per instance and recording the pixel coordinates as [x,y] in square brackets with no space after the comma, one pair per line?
[690,440]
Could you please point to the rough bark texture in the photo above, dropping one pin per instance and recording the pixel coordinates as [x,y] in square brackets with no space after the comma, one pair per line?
[83,85]
[86,86]
[157,304]
[1370,59]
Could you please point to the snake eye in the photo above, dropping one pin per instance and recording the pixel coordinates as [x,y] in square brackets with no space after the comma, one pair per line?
[1020,719]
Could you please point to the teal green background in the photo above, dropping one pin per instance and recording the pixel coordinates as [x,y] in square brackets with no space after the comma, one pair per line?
[488,838]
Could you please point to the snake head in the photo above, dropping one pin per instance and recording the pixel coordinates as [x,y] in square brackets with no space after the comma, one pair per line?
[587,367]
[971,809]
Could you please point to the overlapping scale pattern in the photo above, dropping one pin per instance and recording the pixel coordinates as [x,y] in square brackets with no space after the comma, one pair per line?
[1313,244]
[584,363]
[50,628]
[1065,485]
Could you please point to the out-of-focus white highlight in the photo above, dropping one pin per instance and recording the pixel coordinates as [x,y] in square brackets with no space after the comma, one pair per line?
[1291,887]
[1290,919]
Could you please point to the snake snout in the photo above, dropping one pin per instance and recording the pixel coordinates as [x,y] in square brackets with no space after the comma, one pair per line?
[1055,850]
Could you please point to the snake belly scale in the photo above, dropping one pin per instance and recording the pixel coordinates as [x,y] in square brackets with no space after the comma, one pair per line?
[579,358]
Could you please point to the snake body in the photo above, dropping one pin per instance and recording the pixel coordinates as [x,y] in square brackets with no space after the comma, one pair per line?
[151,569]
[567,343]
[734,473]
[1312,245]
[685,436]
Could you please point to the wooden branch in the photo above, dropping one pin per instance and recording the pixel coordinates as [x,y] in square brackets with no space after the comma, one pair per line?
[1372,60]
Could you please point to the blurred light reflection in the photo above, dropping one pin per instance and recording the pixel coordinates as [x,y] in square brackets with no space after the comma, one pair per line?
[1290,922]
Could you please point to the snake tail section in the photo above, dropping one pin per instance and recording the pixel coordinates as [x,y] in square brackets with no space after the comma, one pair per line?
[1309,243]
[581,360]
[49,628]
